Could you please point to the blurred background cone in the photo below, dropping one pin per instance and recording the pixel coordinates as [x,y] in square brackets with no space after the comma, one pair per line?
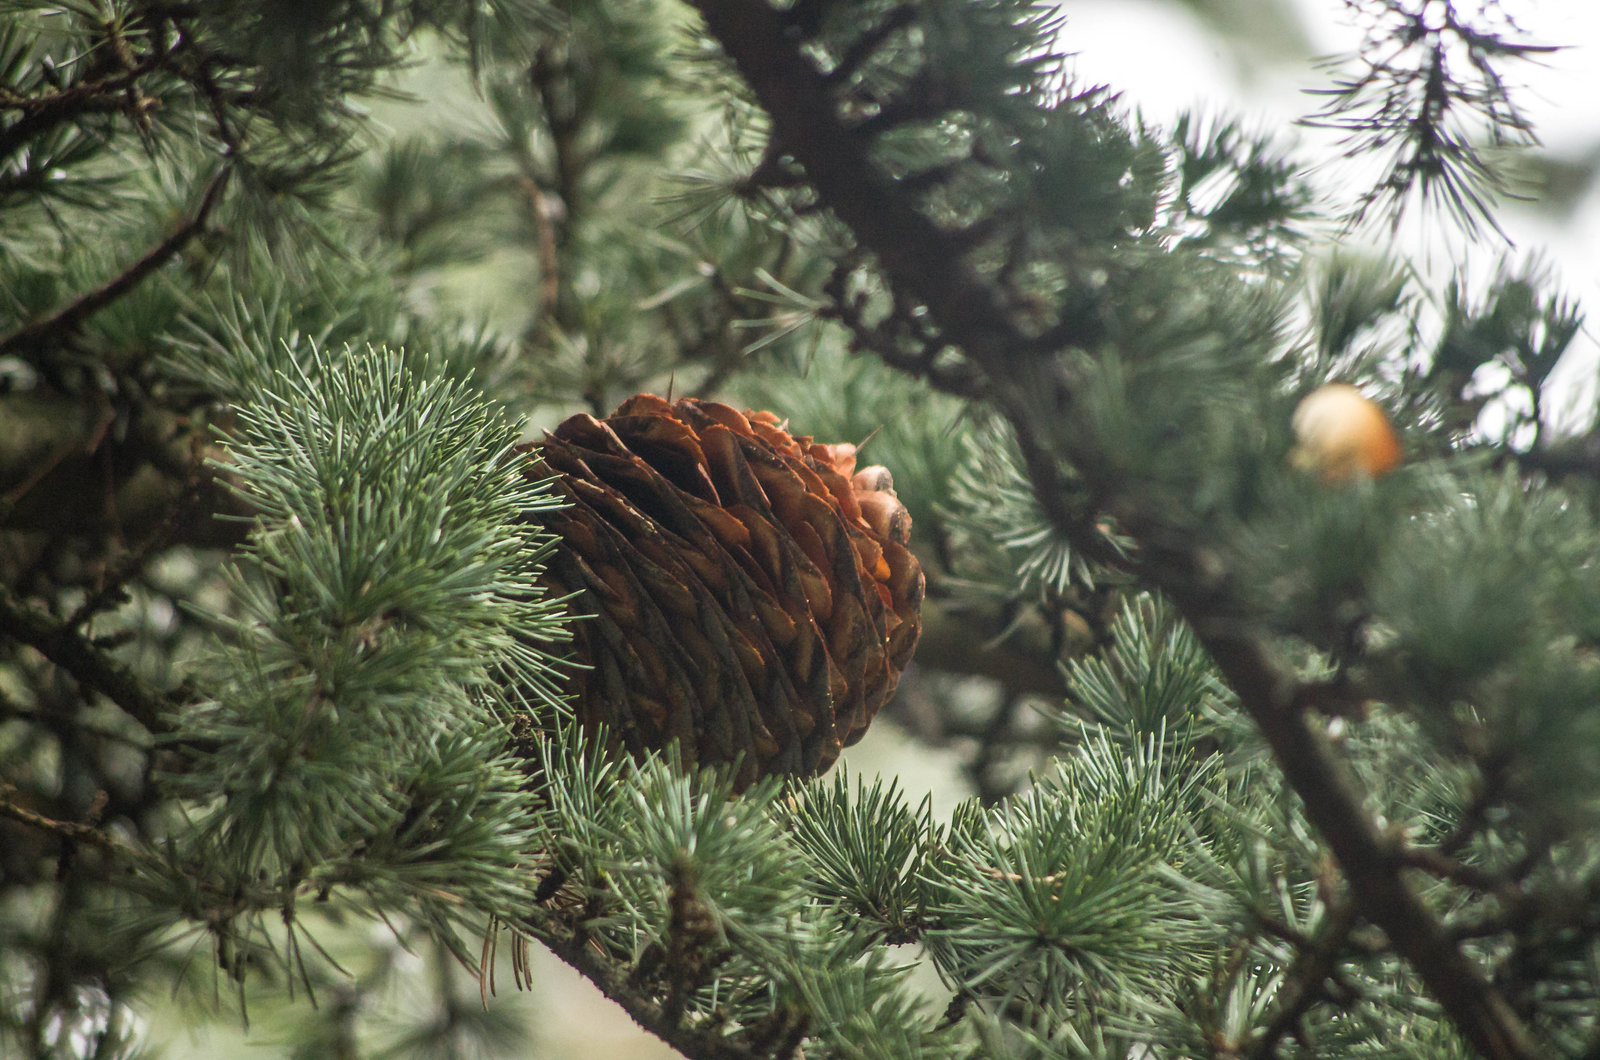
[1341,433]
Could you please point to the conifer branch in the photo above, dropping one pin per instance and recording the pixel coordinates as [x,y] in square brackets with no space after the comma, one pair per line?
[947,636]
[909,246]
[886,340]
[901,17]
[569,942]
[65,320]
[920,261]
[1441,866]
[1005,245]
[1424,73]
[40,114]
[1305,985]
[1372,861]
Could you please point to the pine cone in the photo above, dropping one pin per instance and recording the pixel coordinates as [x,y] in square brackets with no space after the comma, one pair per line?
[752,594]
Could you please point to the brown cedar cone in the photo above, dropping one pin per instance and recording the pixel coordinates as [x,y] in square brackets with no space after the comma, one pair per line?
[752,594]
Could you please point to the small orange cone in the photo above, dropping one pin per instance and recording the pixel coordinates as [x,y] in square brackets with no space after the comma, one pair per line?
[1341,433]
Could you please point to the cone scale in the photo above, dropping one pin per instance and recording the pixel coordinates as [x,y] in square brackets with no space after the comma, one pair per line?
[751,593]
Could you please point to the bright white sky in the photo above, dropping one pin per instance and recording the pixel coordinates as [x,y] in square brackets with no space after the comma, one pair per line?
[1165,60]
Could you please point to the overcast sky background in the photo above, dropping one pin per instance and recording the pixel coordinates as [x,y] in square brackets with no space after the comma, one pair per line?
[1165,60]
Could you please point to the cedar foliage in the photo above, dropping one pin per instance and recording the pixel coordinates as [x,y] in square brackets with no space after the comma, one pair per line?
[1312,774]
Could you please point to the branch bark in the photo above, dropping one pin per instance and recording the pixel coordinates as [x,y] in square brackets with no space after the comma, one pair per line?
[1372,861]
[67,831]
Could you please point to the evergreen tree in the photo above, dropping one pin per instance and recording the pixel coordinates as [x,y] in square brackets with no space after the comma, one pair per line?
[1312,774]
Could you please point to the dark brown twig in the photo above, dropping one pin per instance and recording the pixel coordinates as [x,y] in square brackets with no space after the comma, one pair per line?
[887,340]
[42,113]
[70,831]
[871,40]
[1305,984]
[569,942]
[1371,860]
[67,319]
[1442,866]
[75,654]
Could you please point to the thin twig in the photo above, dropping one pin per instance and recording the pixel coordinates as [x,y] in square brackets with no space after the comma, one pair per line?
[549,262]
[92,667]
[1442,866]
[70,831]
[40,114]
[871,40]
[566,939]
[1305,984]
[66,319]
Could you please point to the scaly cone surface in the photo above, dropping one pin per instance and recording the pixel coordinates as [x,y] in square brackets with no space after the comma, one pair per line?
[752,594]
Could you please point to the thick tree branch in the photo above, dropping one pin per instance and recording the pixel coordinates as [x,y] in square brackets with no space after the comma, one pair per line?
[1372,861]
[910,248]
[921,262]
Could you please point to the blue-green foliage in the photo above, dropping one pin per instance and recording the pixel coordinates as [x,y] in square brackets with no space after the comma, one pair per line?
[1154,681]
[1065,896]
[388,621]
[868,852]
